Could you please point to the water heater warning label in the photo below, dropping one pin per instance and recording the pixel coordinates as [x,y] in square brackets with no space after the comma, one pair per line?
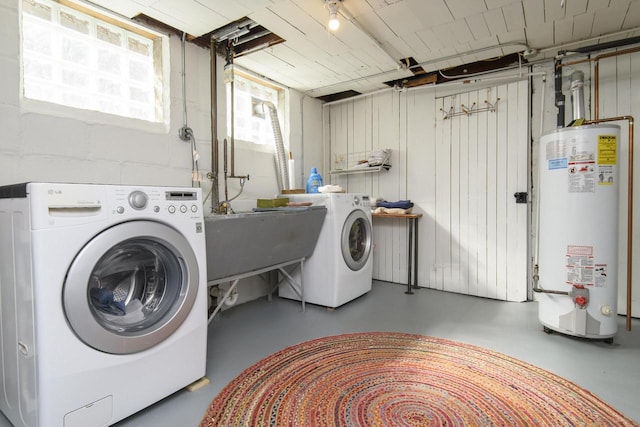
[580,266]
[600,275]
[607,149]
[605,175]
[607,158]
[582,177]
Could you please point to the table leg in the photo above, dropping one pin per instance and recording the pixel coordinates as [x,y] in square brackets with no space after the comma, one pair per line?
[415,255]
[409,256]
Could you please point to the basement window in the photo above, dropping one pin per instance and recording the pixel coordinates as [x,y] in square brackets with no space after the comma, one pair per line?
[75,56]
[252,119]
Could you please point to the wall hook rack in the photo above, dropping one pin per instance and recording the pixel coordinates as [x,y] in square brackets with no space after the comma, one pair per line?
[468,111]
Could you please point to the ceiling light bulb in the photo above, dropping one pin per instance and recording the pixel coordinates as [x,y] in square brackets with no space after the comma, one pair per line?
[334,23]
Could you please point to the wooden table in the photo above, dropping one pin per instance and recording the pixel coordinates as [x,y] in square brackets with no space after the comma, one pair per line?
[412,253]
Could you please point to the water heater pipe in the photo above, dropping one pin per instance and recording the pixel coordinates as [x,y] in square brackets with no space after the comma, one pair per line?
[559,98]
[596,75]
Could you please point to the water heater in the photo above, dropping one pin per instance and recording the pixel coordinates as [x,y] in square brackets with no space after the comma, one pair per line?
[577,289]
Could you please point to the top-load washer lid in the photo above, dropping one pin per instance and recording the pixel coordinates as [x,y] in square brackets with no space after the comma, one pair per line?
[131,287]
[356,241]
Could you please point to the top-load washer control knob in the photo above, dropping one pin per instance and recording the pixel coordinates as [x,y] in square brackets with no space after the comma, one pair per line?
[138,200]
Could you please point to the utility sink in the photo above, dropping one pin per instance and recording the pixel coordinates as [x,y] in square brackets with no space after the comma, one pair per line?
[252,241]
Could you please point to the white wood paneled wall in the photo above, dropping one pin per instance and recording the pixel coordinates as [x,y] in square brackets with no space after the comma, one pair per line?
[481,162]
[461,173]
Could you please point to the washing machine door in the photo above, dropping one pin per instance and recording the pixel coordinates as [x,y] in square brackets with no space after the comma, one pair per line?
[356,240]
[131,287]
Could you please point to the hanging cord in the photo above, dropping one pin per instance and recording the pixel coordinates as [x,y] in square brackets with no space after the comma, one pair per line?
[195,170]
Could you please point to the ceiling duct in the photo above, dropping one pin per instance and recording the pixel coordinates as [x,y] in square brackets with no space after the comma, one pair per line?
[246,36]
[234,30]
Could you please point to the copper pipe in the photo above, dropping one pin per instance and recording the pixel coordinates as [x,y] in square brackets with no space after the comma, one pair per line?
[629,208]
[596,75]
[579,61]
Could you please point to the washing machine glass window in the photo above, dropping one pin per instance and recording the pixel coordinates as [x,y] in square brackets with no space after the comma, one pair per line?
[356,240]
[130,287]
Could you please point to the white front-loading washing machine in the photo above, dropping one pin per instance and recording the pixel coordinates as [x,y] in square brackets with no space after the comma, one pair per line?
[103,300]
[341,266]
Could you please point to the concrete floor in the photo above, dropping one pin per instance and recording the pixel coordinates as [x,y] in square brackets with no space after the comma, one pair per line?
[249,332]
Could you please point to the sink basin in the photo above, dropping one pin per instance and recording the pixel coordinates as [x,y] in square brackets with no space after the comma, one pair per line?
[245,242]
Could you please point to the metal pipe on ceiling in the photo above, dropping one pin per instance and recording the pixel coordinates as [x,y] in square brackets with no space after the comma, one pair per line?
[421,64]
[565,46]
[506,78]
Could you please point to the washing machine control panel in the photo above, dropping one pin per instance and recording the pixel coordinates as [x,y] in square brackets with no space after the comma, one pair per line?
[64,204]
[157,201]
[360,200]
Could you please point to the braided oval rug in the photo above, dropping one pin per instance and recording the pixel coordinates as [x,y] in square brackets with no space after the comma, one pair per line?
[395,379]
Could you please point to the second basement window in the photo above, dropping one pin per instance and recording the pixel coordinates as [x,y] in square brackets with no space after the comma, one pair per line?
[252,121]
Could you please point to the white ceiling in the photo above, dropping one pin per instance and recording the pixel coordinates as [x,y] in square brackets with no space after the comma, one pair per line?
[375,34]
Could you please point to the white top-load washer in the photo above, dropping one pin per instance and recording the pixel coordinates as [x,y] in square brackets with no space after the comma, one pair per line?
[341,266]
[103,300]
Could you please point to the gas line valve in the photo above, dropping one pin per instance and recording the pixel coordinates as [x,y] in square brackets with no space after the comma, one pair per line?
[580,295]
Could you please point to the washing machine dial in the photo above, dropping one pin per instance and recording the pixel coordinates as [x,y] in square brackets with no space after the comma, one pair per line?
[356,201]
[138,200]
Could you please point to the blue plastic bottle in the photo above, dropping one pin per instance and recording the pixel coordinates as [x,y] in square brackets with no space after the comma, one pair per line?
[314,181]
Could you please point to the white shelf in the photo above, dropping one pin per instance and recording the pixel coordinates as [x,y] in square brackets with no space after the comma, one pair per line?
[353,162]
[369,169]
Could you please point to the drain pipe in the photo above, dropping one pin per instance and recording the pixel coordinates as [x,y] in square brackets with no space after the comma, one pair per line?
[557,78]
